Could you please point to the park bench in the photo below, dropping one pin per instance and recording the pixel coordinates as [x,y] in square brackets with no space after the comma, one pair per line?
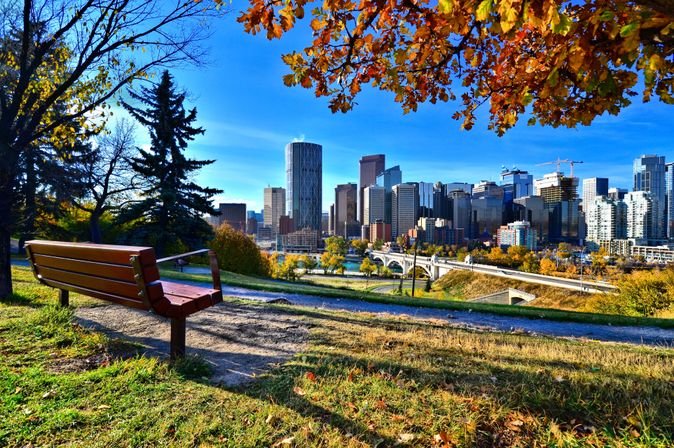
[126,275]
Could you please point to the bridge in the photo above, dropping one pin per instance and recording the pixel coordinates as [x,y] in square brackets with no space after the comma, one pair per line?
[435,267]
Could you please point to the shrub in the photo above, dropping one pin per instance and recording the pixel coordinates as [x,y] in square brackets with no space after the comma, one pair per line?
[237,252]
[641,293]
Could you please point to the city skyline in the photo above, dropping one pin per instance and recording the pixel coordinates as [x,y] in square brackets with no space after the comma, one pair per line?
[246,132]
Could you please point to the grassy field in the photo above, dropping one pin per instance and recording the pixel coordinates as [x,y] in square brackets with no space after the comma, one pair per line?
[363,381]
[265,284]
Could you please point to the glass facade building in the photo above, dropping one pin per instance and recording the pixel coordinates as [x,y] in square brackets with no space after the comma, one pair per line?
[304,178]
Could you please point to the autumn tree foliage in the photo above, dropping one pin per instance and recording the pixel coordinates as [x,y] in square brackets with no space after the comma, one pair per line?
[237,252]
[564,62]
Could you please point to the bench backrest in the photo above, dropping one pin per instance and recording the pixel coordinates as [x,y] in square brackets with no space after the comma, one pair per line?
[127,275]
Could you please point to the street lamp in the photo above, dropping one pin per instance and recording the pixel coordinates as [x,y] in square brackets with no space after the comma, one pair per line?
[581,268]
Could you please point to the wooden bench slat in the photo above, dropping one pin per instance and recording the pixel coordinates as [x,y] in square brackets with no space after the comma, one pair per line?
[105,270]
[125,289]
[186,291]
[94,252]
[126,301]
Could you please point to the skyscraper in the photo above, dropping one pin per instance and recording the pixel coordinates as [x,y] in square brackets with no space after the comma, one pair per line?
[592,188]
[233,215]
[649,175]
[304,177]
[274,207]
[387,179]
[345,207]
[669,199]
[516,184]
[370,167]
[561,199]
[404,206]
[374,200]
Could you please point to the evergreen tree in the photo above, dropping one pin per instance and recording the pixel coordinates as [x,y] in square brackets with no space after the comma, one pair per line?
[169,214]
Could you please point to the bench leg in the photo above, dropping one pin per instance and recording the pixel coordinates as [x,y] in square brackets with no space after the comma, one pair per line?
[177,337]
[64,297]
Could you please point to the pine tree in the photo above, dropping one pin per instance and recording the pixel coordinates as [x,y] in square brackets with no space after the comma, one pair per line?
[169,213]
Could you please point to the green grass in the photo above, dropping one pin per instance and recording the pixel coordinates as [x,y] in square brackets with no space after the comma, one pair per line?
[265,284]
[362,381]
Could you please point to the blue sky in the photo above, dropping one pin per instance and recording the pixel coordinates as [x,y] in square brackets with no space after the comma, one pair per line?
[249,116]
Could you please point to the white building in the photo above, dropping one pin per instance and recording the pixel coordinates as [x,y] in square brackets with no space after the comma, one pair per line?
[274,207]
[374,202]
[592,188]
[518,233]
[643,216]
[404,206]
[605,220]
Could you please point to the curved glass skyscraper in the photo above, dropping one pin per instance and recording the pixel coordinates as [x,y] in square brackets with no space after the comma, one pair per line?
[304,177]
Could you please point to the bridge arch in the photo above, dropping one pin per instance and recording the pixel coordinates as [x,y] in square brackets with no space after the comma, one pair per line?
[422,267]
[376,257]
[395,264]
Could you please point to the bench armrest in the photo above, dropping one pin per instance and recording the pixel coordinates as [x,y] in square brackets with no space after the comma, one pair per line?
[215,270]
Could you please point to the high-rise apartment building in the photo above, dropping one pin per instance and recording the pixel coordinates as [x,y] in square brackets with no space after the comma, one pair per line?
[345,207]
[605,220]
[374,200]
[593,187]
[304,177]
[370,167]
[518,233]
[649,175]
[387,179]
[617,194]
[274,207]
[404,206]
[643,217]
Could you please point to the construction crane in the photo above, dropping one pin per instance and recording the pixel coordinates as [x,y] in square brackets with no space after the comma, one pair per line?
[560,161]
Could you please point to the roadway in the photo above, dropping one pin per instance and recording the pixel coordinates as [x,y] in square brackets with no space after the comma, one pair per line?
[567,283]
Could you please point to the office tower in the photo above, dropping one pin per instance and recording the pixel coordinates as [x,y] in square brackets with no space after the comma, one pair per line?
[605,220]
[643,217]
[345,207]
[516,184]
[285,225]
[487,189]
[428,225]
[387,179]
[593,187]
[251,224]
[441,208]
[669,199]
[561,199]
[304,177]
[460,211]
[233,215]
[325,222]
[425,192]
[649,175]
[486,215]
[532,209]
[374,200]
[404,206]
[462,186]
[518,233]
[370,167]
[617,194]
[274,207]
[380,231]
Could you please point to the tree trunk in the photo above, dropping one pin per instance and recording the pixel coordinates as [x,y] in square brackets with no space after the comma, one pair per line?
[29,199]
[95,227]
[7,169]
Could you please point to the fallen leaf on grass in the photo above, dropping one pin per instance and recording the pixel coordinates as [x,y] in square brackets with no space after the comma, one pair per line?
[286,441]
[311,376]
[299,391]
[271,419]
[405,437]
[380,404]
[103,406]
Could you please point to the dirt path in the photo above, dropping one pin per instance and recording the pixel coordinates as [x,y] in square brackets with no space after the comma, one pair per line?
[239,341]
